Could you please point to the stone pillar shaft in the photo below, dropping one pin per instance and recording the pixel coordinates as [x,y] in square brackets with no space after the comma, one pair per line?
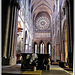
[7,31]
[12,30]
[15,39]
[27,43]
[68,30]
[45,49]
[37,47]
[27,7]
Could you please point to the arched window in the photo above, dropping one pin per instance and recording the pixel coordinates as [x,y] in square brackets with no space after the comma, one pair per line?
[41,48]
[35,47]
[48,48]
[49,51]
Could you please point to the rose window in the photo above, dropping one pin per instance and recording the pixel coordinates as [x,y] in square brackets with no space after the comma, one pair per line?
[42,23]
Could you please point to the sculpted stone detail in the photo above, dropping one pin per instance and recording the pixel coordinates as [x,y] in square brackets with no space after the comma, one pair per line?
[42,35]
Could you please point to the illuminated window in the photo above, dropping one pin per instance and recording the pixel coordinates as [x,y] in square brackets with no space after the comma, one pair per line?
[49,48]
[42,48]
[35,48]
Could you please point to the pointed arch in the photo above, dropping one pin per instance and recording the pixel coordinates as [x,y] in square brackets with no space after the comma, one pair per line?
[42,8]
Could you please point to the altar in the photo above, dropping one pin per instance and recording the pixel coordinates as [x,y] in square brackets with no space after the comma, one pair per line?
[39,61]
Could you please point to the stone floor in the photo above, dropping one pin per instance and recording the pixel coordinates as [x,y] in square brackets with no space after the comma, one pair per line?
[54,70]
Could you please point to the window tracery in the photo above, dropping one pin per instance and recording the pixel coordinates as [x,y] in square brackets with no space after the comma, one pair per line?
[42,23]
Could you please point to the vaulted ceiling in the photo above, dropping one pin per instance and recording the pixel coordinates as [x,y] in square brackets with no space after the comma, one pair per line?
[42,6]
[42,11]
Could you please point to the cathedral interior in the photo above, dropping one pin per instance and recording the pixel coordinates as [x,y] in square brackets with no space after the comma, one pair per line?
[42,27]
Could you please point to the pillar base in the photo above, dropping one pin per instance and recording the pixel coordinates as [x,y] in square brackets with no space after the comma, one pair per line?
[9,61]
[5,61]
[13,60]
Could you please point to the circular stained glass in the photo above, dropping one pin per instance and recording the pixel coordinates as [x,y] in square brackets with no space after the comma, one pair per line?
[42,23]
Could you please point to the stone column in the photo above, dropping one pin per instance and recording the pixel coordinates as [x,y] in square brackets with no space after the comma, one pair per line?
[27,23]
[37,47]
[24,32]
[24,40]
[63,51]
[14,23]
[27,7]
[59,51]
[15,32]
[11,31]
[45,48]
[56,51]
[68,28]
[28,43]
[52,53]
[71,30]
[7,31]
[27,11]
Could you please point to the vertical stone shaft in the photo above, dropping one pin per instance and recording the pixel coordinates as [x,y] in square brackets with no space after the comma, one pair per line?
[7,30]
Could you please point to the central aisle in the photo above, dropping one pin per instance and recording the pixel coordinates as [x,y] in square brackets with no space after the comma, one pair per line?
[56,70]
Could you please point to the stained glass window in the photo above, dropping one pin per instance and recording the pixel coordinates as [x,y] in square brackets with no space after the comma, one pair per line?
[35,48]
[41,48]
[49,49]
[42,23]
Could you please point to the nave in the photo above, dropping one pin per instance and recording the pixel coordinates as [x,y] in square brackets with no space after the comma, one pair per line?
[37,27]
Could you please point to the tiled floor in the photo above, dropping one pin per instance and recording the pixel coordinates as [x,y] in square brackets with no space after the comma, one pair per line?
[54,70]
